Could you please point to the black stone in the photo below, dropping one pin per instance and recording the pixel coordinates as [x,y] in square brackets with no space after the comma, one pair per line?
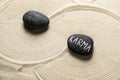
[80,44]
[35,21]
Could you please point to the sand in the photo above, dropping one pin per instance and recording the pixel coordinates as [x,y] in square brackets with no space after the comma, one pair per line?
[25,56]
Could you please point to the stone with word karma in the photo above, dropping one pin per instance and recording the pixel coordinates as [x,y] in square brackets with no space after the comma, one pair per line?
[80,44]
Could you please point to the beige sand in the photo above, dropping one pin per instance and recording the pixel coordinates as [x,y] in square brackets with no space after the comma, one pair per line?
[24,56]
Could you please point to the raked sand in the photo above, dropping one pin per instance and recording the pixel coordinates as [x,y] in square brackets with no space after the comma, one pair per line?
[25,56]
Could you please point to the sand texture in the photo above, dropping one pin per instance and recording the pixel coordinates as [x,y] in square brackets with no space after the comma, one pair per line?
[26,56]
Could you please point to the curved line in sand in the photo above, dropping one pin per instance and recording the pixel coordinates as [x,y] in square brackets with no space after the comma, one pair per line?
[67,8]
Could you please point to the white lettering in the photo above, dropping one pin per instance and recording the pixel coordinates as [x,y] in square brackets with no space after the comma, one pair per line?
[80,42]
[88,48]
[71,38]
[75,40]
[84,44]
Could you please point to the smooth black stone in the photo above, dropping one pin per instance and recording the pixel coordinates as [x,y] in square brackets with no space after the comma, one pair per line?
[35,21]
[80,44]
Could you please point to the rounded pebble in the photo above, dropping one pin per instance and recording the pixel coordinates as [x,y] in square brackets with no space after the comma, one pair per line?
[35,21]
[80,44]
